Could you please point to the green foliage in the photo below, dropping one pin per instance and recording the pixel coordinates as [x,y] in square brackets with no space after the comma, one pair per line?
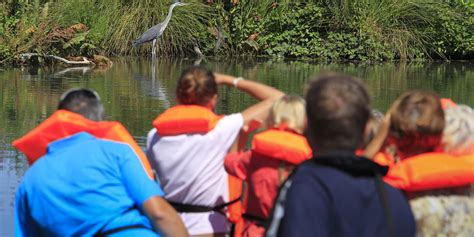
[329,30]
[349,30]
[294,32]
[97,16]
[453,32]
[246,19]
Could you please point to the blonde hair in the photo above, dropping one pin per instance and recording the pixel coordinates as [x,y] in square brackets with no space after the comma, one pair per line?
[290,111]
[458,134]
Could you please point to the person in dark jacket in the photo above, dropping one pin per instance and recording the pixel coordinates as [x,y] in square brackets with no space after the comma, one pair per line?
[337,193]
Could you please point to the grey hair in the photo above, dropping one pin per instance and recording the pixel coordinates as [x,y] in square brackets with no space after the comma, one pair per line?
[458,134]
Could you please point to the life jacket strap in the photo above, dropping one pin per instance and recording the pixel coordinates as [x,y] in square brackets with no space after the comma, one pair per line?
[385,205]
[101,233]
[190,208]
[259,221]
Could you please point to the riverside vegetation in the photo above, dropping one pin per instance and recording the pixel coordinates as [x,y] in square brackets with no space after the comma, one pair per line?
[328,30]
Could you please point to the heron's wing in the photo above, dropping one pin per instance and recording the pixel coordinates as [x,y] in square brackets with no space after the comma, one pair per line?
[149,35]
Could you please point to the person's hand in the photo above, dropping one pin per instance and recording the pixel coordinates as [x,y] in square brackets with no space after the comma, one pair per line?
[253,125]
[377,142]
[385,126]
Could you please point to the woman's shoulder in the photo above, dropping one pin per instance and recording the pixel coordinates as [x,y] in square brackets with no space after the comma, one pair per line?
[229,123]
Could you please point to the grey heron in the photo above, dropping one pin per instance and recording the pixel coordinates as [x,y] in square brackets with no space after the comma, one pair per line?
[157,30]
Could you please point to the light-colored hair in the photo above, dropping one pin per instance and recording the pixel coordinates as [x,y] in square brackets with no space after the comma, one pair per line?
[458,134]
[290,111]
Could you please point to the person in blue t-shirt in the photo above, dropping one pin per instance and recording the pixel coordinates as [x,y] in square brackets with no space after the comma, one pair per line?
[87,186]
[337,193]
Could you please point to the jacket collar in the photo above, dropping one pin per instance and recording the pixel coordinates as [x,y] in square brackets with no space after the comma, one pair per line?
[350,163]
[68,141]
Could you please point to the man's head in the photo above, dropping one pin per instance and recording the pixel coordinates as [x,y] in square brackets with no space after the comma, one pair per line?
[84,102]
[338,108]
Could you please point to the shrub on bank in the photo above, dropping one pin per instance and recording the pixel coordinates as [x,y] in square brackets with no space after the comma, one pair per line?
[368,30]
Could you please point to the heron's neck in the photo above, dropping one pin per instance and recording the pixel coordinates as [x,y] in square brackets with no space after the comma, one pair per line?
[168,17]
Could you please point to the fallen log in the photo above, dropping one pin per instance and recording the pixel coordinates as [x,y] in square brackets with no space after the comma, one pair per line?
[27,56]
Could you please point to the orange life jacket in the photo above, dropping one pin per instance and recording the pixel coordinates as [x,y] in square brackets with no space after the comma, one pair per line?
[64,123]
[384,159]
[185,119]
[282,145]
[447,103]
[190,119]
[433,170]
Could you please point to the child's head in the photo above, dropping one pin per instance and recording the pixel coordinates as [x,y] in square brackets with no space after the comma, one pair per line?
[458,134]
[416,122]
[288,111]
[196,86]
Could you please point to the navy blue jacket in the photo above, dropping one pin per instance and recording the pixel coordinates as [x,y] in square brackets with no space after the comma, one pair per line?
[337,195]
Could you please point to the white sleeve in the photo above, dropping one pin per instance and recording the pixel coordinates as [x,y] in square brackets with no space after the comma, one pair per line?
[150,137]
[226,130]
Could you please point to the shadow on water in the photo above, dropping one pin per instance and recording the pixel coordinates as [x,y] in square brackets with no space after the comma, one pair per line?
[134,91]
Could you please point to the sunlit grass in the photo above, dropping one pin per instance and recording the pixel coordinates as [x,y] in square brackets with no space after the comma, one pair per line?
[179,38]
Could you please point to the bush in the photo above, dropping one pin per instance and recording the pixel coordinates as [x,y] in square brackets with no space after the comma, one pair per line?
[453,30]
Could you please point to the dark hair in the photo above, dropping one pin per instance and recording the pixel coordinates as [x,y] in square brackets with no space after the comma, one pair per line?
[83,101]
[417,122]
[338,107]
[196,86]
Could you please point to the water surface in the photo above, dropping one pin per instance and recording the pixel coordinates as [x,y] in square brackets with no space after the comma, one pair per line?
[134,91]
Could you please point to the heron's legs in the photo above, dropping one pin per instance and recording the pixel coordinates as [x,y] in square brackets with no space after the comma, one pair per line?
[153,51]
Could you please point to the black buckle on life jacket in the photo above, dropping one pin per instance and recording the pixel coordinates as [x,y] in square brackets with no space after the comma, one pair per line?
[259,221]
[190,208]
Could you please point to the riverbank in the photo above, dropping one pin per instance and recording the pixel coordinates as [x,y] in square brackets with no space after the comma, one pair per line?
[324,30]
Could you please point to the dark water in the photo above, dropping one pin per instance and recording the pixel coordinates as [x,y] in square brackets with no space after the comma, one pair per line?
[134,92]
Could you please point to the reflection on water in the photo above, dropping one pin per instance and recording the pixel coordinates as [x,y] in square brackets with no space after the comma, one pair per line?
[153,87]
[135,91]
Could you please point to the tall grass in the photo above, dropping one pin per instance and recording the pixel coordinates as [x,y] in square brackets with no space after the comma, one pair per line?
[181,35]
[96,15]
[399,27]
